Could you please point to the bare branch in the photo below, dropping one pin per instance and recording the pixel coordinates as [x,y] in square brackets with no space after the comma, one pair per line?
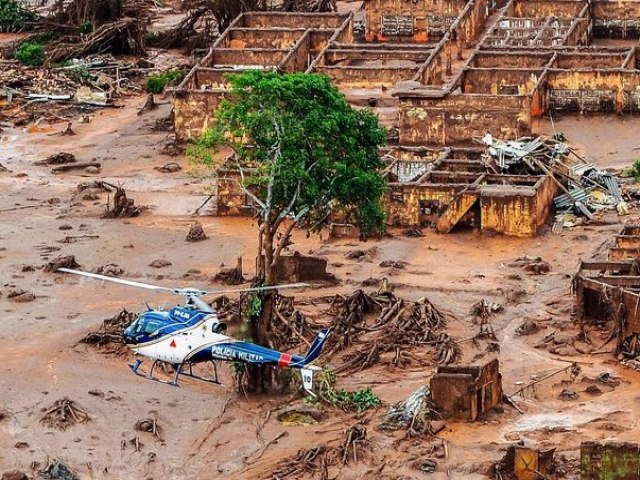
[246,191]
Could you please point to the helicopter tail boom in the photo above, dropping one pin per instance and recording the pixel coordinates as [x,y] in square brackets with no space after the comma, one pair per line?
[314,349]
[259,355]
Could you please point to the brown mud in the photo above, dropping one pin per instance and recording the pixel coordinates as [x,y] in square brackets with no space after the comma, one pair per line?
[210,430]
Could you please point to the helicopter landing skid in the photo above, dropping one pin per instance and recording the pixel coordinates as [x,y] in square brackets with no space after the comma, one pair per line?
[178,368]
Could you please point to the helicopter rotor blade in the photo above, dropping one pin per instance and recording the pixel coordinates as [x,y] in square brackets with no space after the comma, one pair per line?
[188,291]
[121,281]
[259,289]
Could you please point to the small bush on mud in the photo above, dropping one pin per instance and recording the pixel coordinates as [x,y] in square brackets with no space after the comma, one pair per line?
[13,15]
[30,54]
[157,83]
[634,171]
[358,400]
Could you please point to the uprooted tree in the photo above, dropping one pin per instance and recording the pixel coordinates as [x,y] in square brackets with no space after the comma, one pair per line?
[302,153]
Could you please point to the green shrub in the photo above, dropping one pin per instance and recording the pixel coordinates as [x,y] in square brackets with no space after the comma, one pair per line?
[30,54]
[86,27]
[359,400]
[634,171]
[157,83]
[13,15]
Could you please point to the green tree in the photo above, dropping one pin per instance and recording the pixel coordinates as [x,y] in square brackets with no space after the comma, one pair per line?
[302,152]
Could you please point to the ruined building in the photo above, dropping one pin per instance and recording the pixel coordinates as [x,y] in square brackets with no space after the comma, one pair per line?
[464,392]
[444,73]
[610,289]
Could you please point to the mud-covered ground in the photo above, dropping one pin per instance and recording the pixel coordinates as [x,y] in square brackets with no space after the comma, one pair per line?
[209,431]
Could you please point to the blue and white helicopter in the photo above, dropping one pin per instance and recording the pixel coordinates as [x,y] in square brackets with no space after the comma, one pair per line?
[184,336]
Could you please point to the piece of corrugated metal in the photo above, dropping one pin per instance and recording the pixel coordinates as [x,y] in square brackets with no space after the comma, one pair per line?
[564,201]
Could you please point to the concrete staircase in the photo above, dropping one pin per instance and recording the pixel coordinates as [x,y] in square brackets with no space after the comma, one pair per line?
[457,209]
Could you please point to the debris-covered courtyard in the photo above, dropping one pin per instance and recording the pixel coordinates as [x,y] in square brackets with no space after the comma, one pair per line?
[491,332]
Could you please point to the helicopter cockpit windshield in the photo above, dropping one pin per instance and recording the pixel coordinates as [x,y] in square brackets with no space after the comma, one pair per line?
[142,330]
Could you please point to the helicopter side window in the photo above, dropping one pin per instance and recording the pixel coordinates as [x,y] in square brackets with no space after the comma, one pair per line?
[150,327]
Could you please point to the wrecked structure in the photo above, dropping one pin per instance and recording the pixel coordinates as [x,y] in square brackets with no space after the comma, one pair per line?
[509,188]
[609,290]
[534,57]
[450,71]
[460,69]
[609,461]
[464,392]
[456,188]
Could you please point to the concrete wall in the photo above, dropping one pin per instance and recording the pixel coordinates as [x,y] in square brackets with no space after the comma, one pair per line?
[194,111]
[291,20]
[593,90]
[366,77]
[616,19]
[464,392]
[472,21]
[301,268]
[497,81]
[421,16]
[547,8]
[609,461]
[239,38]
[511,60]
[458,118]
[516,210]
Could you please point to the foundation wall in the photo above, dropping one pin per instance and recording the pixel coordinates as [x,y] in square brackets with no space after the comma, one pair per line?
[512,213]
[548,8]
[472,21]
[371,77]
[260,57]
[241,38]
[593,91]
[515,60]
[616,19]
[416,21]
[464,392]
[459,118]
[291,20]
[194,111]
[403,203]
[299,58]
[497,81]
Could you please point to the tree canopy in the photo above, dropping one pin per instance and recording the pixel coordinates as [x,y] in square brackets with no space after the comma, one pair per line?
[303,150]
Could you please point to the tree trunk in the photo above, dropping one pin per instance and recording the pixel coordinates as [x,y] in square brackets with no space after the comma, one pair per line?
[267,379]
[261,378]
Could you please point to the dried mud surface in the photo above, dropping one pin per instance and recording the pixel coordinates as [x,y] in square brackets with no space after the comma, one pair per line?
[211,432]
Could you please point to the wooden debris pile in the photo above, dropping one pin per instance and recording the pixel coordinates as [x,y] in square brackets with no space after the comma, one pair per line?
[196,234]
[78,87]
[307,463]
[398,328]
[123,207]
[67,261]
[123,36]
[354,443]
[108,339]
[291,325]
[64,413]
[314,462]
[149,425]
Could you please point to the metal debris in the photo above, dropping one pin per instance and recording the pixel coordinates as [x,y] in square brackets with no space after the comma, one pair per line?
[585,189]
